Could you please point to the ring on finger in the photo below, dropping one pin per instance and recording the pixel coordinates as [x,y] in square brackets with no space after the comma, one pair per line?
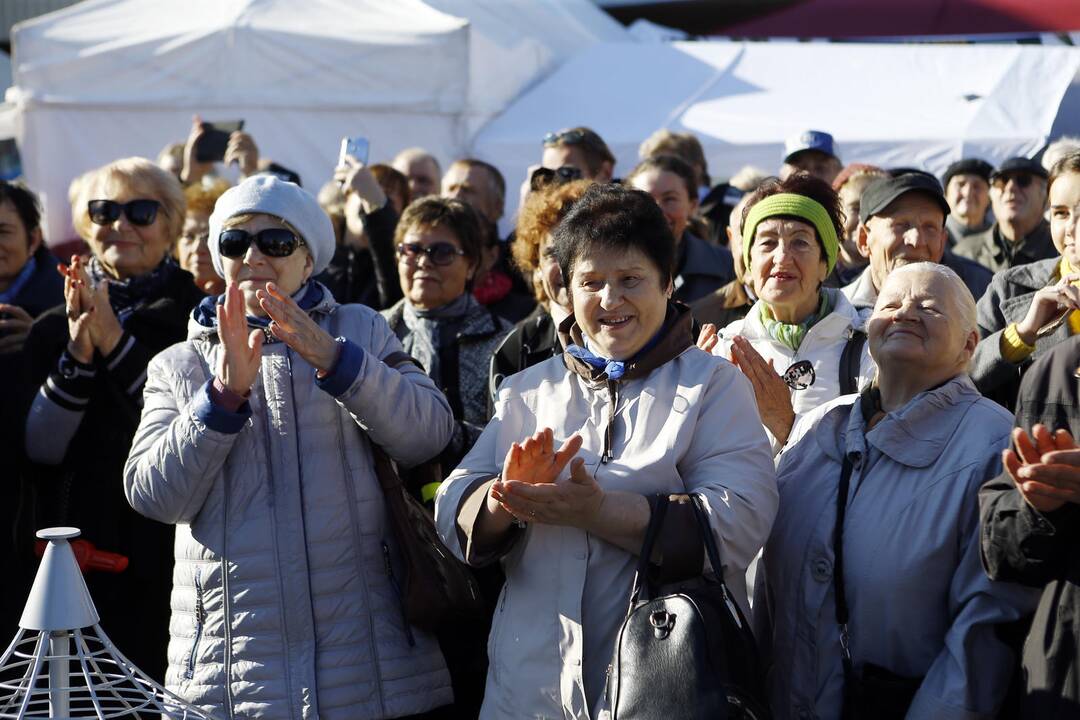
[72,315]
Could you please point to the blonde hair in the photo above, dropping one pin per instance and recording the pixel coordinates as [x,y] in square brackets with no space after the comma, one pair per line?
[201,197]
[136,175]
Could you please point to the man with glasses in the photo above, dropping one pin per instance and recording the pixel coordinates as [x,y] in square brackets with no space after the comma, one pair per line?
[582,148]
[1020,233]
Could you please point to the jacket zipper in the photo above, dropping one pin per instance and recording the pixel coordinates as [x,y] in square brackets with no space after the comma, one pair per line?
[609,432]
[200,620]
[358,542]
[273,538]
[397,592]
[226,601]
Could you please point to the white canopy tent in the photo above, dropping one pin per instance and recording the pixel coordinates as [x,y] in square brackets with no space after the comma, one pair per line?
[112,78]
[892,105]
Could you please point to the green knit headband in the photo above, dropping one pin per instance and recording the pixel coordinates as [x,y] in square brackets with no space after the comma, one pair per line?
[798,206]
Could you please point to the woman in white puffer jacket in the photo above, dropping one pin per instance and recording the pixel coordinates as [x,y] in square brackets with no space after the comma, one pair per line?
[801,344]
[256,442]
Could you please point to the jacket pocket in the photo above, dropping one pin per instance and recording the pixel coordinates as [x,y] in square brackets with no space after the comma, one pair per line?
[200,621]
[398,594]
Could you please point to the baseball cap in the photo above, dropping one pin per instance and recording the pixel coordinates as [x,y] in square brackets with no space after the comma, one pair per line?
[967,166]
[1018,165]
[879,194]
[810,140]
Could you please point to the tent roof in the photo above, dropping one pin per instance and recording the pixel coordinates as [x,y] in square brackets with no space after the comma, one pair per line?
[922,105]
[893,18]
[245,52]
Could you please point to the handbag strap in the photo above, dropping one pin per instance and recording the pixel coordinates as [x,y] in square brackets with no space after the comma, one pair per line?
[842,614]
[656,521]
[711,548]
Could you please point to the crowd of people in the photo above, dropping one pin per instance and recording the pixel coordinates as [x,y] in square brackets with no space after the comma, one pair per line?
[866,378]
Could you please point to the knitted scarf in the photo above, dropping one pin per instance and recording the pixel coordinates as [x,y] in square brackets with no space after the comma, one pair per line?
[128,295]
[790,335]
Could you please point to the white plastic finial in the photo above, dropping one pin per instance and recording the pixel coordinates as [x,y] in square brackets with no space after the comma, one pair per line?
[59,599]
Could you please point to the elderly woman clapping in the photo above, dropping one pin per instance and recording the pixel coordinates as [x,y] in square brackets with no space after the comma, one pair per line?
[256,441]
[642,412]
[874,599]
[86,361]
[800,344]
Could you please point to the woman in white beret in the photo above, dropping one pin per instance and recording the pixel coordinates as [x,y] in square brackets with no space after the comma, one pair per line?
[256,442]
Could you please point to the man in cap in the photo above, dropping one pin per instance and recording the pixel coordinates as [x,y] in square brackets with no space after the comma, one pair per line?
[902,221]
[967,188]
[813,152]
[1020,233]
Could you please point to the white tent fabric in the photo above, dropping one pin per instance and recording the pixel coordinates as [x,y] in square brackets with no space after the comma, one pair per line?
[112,78]
[892,105]
[513,42]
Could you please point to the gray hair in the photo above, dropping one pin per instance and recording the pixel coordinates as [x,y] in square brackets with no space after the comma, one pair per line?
[1064,145]
[963,300]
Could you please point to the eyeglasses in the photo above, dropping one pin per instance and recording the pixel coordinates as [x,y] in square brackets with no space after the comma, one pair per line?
[1022,180]
[138,212]
[543,177]
[800,375]
[440,253]
[272,242]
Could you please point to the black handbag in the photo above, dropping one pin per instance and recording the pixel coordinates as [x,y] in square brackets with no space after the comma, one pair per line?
[871,692]
[687,653]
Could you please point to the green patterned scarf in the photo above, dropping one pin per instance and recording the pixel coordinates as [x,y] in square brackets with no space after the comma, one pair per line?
[792,335]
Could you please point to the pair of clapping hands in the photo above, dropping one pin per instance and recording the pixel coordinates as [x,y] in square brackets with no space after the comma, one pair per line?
[529,488]
[1045,466]
[240,358]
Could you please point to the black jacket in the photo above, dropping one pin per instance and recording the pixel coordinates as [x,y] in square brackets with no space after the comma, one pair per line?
[702,269]
[1020,544]
[367,275]
[86,490]
[532,341]
[45,288]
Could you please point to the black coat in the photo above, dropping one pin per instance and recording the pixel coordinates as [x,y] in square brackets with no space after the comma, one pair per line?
[702,269]
[86,490]
[1020,544]
[533,340]
[367,275]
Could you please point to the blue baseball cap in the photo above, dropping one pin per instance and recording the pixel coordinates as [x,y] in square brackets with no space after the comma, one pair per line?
[810,140]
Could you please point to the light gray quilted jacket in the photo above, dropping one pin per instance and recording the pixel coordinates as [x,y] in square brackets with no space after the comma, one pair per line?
[284,602]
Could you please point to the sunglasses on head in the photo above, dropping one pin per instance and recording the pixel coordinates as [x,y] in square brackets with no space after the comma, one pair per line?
[138,212]
[272,242]
[543,177]
[440,253]
[1022,180]
[800,375]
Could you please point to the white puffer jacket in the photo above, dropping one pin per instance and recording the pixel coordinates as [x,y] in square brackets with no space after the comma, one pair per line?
[283,603]
[823,346]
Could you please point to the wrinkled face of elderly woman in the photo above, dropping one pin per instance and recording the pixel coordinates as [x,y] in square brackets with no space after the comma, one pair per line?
[128,232]
[258,249]
[619,299]
[787,266]
[921,325]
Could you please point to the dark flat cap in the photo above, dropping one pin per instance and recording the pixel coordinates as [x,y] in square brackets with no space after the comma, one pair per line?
[967,166]
[1020,165]
[879,194]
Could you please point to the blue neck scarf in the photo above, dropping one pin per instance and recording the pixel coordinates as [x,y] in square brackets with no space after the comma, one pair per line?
[615,369]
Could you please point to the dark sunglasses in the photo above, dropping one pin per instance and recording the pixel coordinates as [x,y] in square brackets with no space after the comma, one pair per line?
[800,375]
[138,212]
[1022,180]
[543,177]
[272,242]
[440,253]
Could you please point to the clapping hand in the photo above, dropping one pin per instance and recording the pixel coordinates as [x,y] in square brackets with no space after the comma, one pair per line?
[530,488]
[241,349]
[92,324]
[1045,467]
[708,338]
[772,393]
[295,328]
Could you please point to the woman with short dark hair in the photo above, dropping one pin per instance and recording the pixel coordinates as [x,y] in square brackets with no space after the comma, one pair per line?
[439,322]
[558,486]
